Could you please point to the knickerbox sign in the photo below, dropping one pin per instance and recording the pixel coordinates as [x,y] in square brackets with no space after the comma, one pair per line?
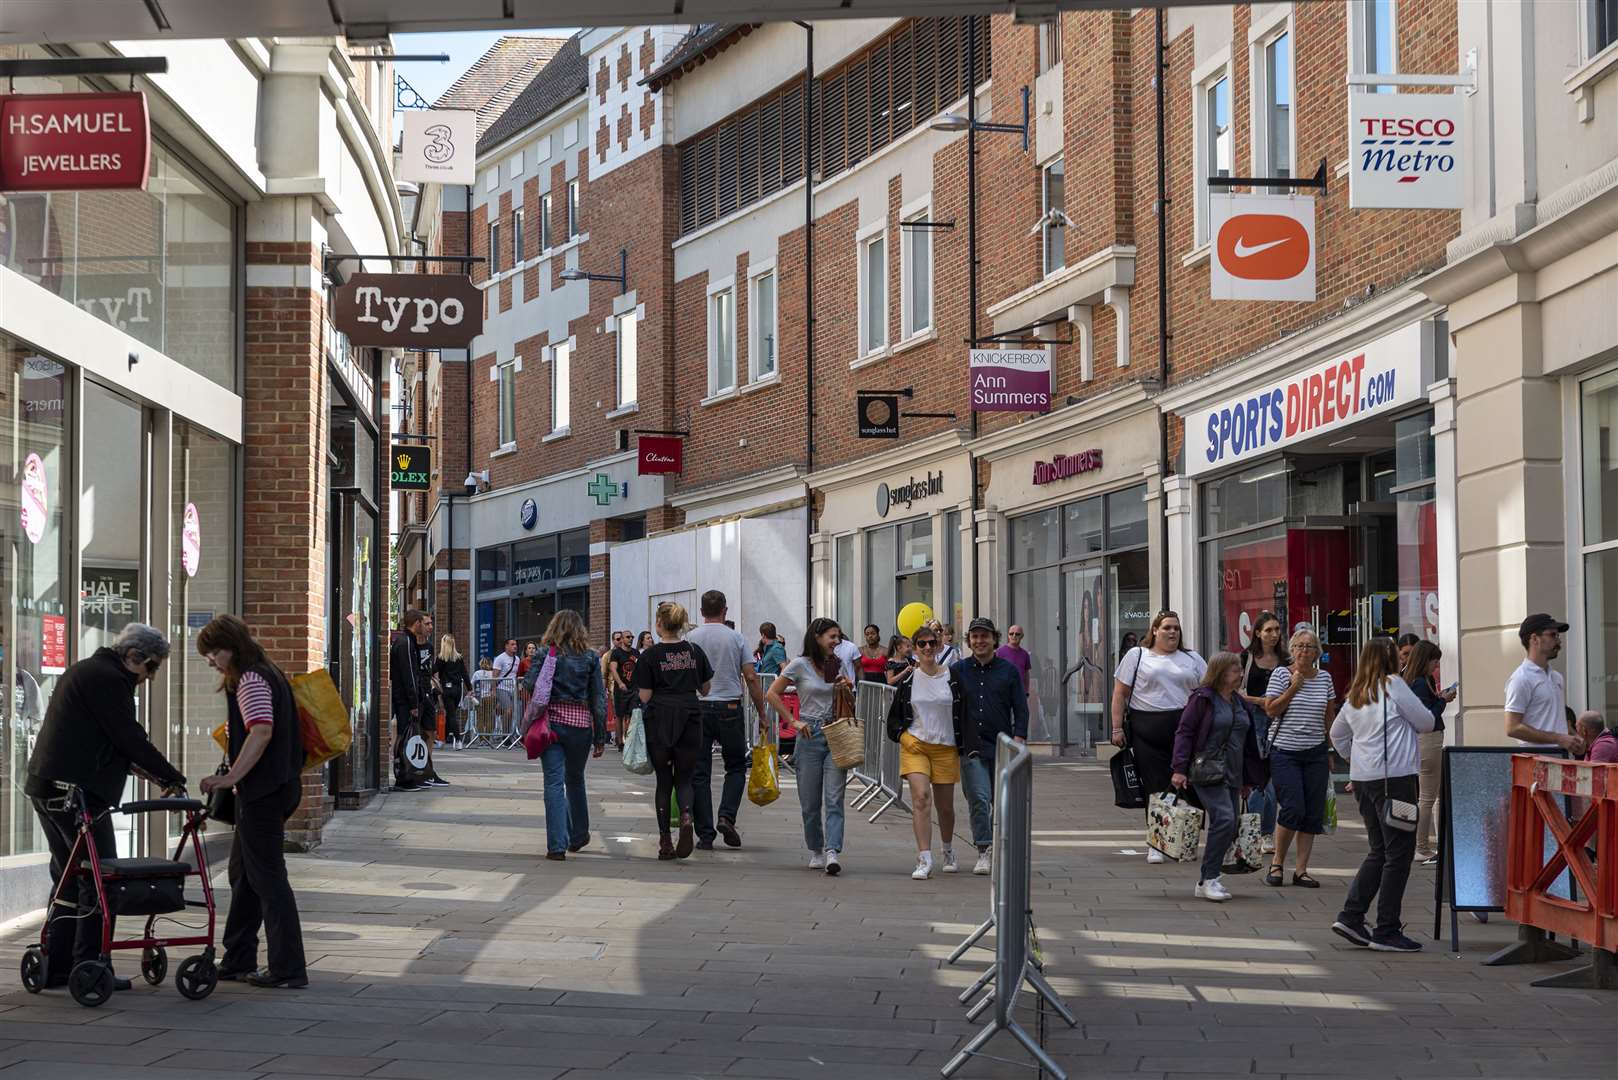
[659,454]
[415,311]
[907,493]
[439,146]
[411,468]
[1387,373]
[73,142]
[1065,465]
[1011,380]
[1263,247]
[1405,152]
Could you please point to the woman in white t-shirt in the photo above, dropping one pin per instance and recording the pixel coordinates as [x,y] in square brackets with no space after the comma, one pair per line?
[926,720]
[1153,682]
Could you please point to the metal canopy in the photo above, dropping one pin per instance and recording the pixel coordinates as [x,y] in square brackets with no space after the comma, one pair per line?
[35,21]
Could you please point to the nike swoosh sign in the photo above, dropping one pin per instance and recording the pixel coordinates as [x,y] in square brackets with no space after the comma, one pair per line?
[1242,251]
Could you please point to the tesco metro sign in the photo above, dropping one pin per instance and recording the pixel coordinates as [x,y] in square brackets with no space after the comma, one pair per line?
[1406,151]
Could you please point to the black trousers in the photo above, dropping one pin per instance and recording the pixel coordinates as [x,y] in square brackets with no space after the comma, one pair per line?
[673,733]
[72,940]
[1386,869]
[1151,737]
[260,894]
[722,723]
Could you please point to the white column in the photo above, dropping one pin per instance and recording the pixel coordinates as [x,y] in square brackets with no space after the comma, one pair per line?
[1182,592]
[1442,396]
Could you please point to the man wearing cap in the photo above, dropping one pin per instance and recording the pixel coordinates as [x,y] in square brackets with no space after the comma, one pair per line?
[1536,698]
[995,702]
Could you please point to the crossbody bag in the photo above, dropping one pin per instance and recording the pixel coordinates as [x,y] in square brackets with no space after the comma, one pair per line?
[1396,813]
[1208,768]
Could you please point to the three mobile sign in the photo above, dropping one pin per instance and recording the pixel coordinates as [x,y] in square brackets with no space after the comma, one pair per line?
[74,142]
[1263,247]
[1405,151]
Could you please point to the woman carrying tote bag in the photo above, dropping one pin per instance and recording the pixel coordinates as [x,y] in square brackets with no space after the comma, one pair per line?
[1150,690]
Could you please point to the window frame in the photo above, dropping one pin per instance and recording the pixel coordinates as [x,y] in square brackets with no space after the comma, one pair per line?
[545,222]
[1361,51]
[506,401]
[559,357]
[573,229]
[727,290]
[517,252]
[919,211]
[1591,45]
[1048,45]
[1204,81]
[633,319]
[1047,228]
[1262,37]
[877,232]
[494,249]
[755,337]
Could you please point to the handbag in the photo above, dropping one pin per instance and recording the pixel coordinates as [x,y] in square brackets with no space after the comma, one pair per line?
[1208,768]
[1396,813]
[222,800]
[1246,852]
[537,735]
[636,759]
[1173,827]
[1127,791]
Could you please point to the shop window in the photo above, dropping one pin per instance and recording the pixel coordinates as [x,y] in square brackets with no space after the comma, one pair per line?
[494,568]
[1372,41]
[574,554]
[628,358]
[762,361]
[956,570]
[1599,465]
[721,341]
[1240,578]
[881,596]
[1126,517]
[844,573]
[1215,144]
[1036,539]
[1054,218]
[533,562]
[1081,528]
[899,570]
[1251,497]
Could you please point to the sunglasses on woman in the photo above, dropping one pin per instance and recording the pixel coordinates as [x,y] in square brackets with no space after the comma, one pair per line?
[926,643]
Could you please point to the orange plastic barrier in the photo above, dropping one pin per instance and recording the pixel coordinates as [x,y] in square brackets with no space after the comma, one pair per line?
[1536,784]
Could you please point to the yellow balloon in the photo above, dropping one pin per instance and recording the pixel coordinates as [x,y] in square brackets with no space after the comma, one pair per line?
[912,616]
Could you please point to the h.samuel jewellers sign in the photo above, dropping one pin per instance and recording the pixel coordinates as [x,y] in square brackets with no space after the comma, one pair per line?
[1406,151]
[73,142]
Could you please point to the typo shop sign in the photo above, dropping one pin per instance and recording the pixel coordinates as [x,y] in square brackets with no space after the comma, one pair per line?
[908,493]
[1406,151]
[73,142]
[1390,372]
[413,311]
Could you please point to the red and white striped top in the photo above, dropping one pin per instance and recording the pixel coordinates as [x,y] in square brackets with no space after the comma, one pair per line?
[254,699]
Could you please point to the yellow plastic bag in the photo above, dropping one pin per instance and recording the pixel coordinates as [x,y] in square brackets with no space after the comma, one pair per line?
[326,728]
[221,735]
[763,779]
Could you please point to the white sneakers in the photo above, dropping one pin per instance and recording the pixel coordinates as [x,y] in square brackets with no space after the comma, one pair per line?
[950,866]
[1268,846]
[1154,856]
[985,862]
[833,867]
[924,866]
[1212,889]
[817,860]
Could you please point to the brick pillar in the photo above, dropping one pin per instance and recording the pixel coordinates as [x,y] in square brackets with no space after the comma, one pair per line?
[284,449]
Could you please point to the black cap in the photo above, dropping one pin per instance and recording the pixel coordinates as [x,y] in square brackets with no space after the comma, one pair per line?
[1538,624]
[980,623]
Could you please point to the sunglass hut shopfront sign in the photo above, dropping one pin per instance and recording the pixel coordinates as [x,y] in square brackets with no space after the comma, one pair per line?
[908,493]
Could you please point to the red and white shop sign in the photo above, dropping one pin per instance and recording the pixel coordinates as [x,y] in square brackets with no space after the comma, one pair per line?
[191,540]
[35,498]
[660,454]
[52,644]
[1263,247]
[1063,466]
[74,142]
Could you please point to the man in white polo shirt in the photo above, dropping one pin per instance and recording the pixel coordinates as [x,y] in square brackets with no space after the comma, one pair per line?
[1536,698]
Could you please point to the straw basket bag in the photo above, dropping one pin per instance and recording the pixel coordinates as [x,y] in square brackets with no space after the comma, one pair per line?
[845,736]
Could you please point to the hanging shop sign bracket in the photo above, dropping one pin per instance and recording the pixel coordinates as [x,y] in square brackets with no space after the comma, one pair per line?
[1016,336]
[64,66]
[879,415]
[1316,182]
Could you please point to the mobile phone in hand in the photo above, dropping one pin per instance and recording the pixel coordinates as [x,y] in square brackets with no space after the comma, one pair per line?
[1453,687]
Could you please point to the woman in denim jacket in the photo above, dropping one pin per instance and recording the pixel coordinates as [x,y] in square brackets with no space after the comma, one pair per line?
[578,716]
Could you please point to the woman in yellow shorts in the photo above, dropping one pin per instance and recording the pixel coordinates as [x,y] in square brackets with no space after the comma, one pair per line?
[926,720]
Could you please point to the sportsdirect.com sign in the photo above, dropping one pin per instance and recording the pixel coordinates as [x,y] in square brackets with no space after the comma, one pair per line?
[1386,374]
[1406,151]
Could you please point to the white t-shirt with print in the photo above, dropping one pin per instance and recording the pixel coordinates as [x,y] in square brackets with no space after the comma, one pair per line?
[1163,682]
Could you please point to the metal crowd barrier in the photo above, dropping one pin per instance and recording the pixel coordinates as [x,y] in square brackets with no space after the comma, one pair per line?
[880,772]
[1011,916]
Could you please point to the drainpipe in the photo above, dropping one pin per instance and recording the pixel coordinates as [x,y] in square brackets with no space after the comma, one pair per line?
[809,316]
[972,271]
[1162,71]
[471,599]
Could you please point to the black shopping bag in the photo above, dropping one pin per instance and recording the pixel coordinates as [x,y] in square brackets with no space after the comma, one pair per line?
[1127,791]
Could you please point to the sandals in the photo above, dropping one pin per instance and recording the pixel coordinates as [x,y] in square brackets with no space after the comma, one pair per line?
[1304,880]
[1276,876]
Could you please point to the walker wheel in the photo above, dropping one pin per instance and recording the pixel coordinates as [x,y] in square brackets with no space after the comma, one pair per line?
[154,965]
[197,977]
[90,983]
[33,969]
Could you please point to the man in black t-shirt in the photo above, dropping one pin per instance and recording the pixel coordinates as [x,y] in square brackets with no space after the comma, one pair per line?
[432,697]
[620,671]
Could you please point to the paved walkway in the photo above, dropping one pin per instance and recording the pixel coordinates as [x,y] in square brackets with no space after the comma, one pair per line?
[444,946]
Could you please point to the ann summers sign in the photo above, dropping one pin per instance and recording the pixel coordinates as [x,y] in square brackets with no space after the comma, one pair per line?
[1406,151]
[413,311]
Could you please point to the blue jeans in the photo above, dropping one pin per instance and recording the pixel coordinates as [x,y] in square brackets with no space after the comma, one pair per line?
[1222,805]
[1262,802]
[977,783]
[722,724]
[820,785]
[567,808]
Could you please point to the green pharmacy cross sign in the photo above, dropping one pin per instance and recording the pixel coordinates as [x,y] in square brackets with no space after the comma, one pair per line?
[603,490]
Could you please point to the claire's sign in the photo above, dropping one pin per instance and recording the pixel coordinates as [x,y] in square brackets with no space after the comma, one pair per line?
[73,142]
[1388,373]
[1406,151]
[411,468]
[1011,380]
[659,454]
[1065,465]
[413,311]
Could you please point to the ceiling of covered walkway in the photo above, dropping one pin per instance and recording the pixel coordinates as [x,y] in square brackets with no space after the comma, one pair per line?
[31,21]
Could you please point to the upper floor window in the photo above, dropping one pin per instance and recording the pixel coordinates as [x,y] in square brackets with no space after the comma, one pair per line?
[1601,25]
[544,223]
[721,340]
[1272,136]
[572,209]
[1215,143]
[628,359]
[917,269]
[494,248]
[1050,44]
[561,387]
[761,347]
[873,280]
[1054,220]
[517,237]
[1372,41]
[506,381]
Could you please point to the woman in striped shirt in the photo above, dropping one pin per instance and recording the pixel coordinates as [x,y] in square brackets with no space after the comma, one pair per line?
[1301,701]
[577,712]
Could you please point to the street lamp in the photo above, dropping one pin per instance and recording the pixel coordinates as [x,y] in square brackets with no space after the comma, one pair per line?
[957,122]
[621,277]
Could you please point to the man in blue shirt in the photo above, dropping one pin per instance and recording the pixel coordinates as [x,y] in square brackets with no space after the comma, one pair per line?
[995,702]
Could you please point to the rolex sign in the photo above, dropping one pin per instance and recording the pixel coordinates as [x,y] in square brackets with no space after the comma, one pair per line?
[411,468]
